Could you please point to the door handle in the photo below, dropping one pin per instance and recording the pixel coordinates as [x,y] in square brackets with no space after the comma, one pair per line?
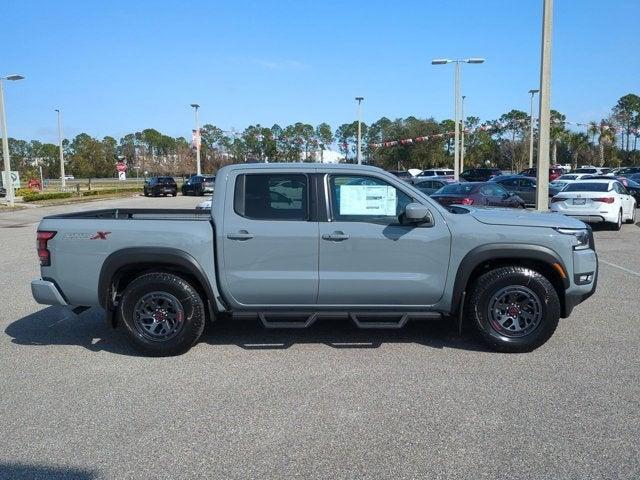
[241,235]
[335,236]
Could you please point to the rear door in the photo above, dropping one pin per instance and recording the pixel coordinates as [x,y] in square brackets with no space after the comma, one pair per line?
[367,257]
[270,240]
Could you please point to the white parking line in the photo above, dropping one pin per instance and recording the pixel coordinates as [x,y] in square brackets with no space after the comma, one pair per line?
[637,274]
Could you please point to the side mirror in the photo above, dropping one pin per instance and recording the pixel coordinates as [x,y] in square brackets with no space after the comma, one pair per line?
[416,213]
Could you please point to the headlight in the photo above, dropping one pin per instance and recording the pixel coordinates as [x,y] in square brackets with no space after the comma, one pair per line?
[582,236]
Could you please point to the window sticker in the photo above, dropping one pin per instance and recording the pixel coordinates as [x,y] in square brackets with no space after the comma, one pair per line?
[367,200]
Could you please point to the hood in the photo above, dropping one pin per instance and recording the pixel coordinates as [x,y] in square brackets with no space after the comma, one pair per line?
[523,218]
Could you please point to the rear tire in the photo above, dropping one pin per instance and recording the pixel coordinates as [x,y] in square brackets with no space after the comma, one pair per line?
[514,309]
[163,314]
[618,225]
[632,219]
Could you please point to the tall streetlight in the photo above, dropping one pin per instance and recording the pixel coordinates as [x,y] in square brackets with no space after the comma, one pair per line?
[462,135]
[63,180]
[359,150]
[542,180]
[531,122]
[5,142]
[457,108]
[198,170]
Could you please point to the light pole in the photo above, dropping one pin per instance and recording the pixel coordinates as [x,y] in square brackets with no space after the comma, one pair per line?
[198,170]
[531,121]
[359,151]
[542,180]
[63,180]
[457,108]
[462,135]
[5,142]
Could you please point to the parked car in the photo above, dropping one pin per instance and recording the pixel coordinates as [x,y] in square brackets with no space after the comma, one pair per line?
[558,184]
[596,201]
[621,179]
[431,185]
[478,194]
[436,172]
[401,174]
[68,177]
[198,185]
[524,187]
[634,189]
[156,186]
[627,171]
[589,170]
[480,174]
[554,173]
[161,274]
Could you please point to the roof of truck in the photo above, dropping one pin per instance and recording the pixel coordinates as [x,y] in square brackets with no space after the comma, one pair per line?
[301,166]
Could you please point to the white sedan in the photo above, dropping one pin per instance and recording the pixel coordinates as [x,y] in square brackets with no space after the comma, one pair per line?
[596,201]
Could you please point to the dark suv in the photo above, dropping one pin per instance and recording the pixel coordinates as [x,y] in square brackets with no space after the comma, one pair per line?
[480,174]
[198,185]
[156,186]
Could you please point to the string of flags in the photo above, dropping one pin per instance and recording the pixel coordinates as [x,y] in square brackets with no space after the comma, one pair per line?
[486,128]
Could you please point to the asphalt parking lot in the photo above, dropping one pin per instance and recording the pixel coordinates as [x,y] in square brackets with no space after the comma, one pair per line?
[330,402]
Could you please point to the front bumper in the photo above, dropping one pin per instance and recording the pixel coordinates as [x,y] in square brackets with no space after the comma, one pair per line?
[584,262]
[47,292]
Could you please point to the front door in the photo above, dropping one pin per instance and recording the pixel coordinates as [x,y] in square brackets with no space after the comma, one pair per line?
[270,241]
[368,258]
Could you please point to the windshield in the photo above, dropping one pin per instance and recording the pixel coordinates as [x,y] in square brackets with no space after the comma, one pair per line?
[456,189]
[587,187]
[568,177]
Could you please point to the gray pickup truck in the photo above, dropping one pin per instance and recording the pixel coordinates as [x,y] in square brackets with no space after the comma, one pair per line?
[292,243]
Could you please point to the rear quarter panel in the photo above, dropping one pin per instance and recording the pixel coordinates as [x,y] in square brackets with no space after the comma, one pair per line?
[77,252]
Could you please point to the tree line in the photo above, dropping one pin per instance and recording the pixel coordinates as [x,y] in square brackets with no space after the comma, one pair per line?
[501,143]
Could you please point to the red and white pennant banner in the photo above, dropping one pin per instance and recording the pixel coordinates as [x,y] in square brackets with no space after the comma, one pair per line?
[487,127]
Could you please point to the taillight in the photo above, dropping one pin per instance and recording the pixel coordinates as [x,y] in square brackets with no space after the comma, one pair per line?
[604,200]
[43,251]
[557,199]
[467,201]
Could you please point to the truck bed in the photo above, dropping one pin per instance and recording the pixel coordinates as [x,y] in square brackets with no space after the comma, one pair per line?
[138,214]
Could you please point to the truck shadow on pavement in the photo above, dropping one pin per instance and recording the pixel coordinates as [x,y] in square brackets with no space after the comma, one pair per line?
[60,326]
[17,471]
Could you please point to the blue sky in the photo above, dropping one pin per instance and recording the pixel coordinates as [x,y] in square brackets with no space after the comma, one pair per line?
[119,66]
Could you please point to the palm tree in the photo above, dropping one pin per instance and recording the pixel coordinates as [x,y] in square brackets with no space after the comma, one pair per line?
[606,136]
[577,143]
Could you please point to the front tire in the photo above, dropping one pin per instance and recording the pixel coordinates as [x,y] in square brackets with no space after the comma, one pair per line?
[514,309]
[163,314]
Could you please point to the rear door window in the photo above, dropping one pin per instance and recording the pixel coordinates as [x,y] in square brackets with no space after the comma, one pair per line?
[272,196]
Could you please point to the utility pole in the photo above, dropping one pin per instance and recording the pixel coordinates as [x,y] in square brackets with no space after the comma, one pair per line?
[457,107]
[63,180]
[462,135]
[359,142]
[531,127]
[542,183]
[10,194]
[198,169]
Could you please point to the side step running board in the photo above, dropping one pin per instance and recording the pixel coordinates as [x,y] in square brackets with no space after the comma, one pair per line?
[382,320]
[388,320]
